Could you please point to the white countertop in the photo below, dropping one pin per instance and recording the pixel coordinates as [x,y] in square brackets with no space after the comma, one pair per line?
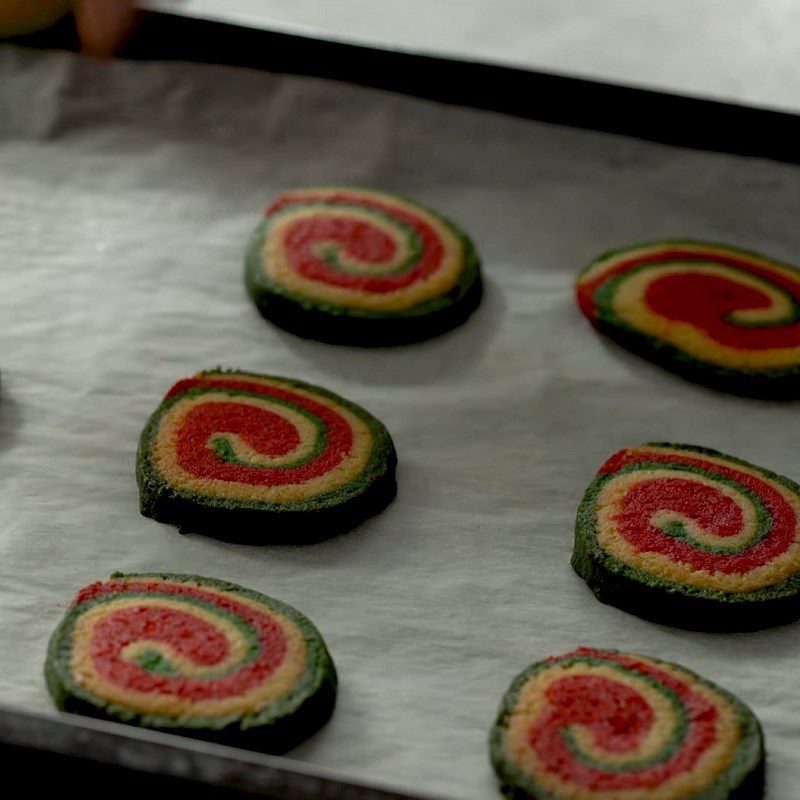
[744,51]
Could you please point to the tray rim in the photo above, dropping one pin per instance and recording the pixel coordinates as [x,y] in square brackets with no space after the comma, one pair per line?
[183,758]
[559,98]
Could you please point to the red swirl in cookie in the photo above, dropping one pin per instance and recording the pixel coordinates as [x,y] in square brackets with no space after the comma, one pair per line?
[236,440]
[257,432]
[180,651]
[688,517]
[360,250]
[700,304]
[602,724]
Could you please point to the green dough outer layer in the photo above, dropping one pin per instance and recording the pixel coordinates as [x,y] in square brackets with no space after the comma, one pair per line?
[296,522]
[768,384]
[743,779]
[666,602]
[335,324]
[275,728]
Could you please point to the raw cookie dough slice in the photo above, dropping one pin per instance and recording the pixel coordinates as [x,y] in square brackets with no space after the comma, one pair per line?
[351,266]
[723,317]
[262,459]
[691,537]
[195,656]
[616,726]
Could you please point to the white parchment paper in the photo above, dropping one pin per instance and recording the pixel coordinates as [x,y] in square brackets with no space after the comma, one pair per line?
[127,192]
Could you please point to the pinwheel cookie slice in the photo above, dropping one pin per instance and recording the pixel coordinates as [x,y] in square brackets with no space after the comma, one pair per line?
[191,655]
[262,459]
[359,267]
[690,537]
[717,315]
[617,726]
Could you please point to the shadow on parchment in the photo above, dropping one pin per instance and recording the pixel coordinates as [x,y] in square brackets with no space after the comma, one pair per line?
[667,381]
[10,419]
[447,355]
[344,547]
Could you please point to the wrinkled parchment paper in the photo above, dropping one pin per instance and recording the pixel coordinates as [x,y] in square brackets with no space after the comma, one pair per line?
[127,193]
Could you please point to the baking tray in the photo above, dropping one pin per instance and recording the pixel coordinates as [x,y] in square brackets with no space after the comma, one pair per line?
[129,191]
[93,754]
[546,96]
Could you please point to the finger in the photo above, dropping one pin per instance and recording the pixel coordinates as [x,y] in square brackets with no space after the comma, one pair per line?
[103,25]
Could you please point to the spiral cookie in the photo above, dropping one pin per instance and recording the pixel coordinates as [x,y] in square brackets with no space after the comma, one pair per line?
[359,267]
[195,656]
[723,317]
[615,726]
[261,459]
[691,537]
